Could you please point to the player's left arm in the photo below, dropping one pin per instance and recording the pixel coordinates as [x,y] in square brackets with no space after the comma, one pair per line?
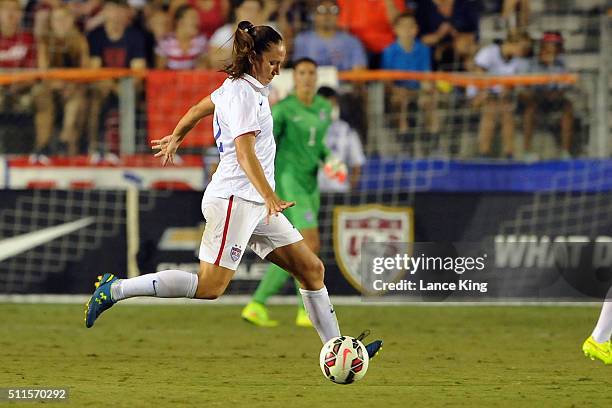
[168,145]
[250,164]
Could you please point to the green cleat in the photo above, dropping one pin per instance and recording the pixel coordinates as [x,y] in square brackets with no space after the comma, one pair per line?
[302,319]
[101,299]
[257,314]
[599,351]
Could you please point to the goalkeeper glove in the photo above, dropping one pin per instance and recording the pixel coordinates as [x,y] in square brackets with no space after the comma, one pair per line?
[335,168]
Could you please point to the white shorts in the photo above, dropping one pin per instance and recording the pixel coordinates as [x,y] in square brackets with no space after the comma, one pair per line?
[233,223]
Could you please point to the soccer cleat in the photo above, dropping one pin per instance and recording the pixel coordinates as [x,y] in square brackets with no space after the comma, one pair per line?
[257,314]
[100,300]
[302,319]
[372,348]
[599,351]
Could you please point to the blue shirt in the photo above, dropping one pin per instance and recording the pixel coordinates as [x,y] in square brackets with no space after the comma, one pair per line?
[418,59]
[342,51]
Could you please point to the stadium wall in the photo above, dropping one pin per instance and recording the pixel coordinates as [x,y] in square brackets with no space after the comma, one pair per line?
[67,262]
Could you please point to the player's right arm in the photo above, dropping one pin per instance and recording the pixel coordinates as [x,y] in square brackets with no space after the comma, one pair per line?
[245,154]
[168,145]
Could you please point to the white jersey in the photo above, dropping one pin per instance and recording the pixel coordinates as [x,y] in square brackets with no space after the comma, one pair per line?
[241,106]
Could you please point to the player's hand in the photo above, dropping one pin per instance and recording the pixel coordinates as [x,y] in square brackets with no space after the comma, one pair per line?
[335,168]
[167,147]
[275,206]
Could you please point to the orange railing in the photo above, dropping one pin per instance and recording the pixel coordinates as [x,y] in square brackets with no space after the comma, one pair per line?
[171,93]
[454,78]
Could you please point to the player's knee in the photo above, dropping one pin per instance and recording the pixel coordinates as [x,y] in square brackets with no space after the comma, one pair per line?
[209,289]
[210,292]
[315,275]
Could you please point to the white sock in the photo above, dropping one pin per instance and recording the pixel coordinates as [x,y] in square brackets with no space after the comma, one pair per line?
[171,283]
[321,313]
[603,329]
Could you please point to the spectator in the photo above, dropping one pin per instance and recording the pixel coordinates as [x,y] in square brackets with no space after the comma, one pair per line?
[42,16]
[326,44]
[16,51]
[16,45]
[88,14]
[515,13]
[448,27]
[158,23]
[548,98]
[63,47]
[344,144]
[285,16]
[408,53]
[370,21]
[221,41]
[212,14]
[157,26]
[185,48]
[499,59]
[298,15]
[113,45]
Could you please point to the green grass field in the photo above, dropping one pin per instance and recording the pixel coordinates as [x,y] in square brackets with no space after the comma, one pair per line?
[143,356]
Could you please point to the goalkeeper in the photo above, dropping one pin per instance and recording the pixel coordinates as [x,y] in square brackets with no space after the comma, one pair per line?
[301,121]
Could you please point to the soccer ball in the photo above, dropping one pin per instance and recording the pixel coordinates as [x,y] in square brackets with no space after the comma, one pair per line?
[344,360]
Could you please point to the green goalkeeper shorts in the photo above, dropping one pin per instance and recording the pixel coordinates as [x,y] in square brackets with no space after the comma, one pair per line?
[305,213]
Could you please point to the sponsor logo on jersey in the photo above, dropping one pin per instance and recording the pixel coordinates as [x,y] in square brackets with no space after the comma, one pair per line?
[355,226]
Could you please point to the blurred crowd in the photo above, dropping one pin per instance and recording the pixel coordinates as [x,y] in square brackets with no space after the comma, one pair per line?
[417,35]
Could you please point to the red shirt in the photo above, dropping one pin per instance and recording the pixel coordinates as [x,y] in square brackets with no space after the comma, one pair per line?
[211,19]
[368,21]
[17,51]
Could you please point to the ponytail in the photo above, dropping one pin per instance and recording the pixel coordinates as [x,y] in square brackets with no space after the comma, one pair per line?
[249,43]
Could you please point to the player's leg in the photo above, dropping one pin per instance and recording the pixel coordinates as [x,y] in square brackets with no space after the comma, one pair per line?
[229,221]
[282,244]
[313,241]
[304,218]
[308,269]
[598,345]
[272,282]
[209,283]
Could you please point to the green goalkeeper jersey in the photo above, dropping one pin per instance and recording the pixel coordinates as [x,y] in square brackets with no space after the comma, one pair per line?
[300,142]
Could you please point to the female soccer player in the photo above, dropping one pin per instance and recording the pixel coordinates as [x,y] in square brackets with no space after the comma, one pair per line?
[301,121]
[239,205]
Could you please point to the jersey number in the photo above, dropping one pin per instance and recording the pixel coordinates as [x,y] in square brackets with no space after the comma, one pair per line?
[313,136]
[218,134]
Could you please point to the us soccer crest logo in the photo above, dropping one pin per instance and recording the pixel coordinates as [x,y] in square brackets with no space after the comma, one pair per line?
[235,253]
[355,226]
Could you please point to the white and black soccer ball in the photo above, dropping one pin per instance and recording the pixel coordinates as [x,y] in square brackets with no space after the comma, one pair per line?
[344,360]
